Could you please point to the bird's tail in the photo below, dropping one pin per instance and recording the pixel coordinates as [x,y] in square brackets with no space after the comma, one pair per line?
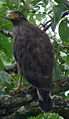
[45,100]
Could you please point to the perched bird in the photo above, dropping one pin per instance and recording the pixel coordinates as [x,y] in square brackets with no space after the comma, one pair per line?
[34,56]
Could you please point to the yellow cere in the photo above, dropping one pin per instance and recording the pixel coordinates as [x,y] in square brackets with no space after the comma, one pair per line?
[13,15]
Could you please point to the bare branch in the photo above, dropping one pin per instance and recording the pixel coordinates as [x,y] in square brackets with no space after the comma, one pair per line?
[66,47]
[47,27]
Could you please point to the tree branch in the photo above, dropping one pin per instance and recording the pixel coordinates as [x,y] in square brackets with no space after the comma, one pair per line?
[6,33]
[66,47]
[26,104]
[60,85]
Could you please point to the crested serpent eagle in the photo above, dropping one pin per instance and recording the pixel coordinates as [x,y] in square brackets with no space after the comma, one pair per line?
[34,56]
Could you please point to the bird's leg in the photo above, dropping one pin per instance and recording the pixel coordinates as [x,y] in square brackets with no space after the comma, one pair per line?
[19,88]
[20,82]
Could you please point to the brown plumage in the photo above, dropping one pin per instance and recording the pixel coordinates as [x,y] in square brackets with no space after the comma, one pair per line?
[34,56]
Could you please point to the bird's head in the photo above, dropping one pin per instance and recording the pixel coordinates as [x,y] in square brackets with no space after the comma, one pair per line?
[15,16]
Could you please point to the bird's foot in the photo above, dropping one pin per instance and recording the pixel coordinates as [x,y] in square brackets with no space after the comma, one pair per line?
[18,89]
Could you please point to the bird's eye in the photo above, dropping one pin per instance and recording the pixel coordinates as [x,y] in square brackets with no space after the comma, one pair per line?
[13,16]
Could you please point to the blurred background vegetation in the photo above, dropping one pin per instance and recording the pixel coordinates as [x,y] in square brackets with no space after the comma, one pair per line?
[52,16]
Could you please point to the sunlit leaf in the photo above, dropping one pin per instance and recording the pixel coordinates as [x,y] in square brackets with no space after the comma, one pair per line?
[64,30]
[47,116]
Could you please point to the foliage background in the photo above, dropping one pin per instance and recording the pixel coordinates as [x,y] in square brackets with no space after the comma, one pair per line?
[52,16]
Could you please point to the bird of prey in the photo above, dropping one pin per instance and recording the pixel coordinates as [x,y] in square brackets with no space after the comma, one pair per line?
[34,56]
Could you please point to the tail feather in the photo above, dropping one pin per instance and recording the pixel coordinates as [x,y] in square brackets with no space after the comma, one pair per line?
[44,100]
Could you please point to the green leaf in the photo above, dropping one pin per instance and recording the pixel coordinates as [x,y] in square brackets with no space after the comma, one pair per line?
[56,72]
[47,116]
[59,1]
[67,60]
[58,10]
[1,64]
[64,30]
[6,46]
